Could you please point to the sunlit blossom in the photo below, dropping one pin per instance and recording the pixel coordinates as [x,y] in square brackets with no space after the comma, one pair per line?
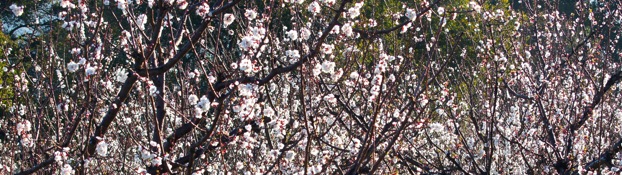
[305,33]
[246,65]
[67,170]
[182,4]
[121,75]
[292,34]
[141,21]
[17,10]
[102,148]
[72,66]
[328,67]
[314,7]
[228,19]
[90,70]
[411,14]
[203,9]
[250,14]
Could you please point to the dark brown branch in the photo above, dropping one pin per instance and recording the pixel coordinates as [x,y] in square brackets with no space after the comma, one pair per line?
[37,167]
[604,158]
[587,113]
[514,93]
[189,45]
[12,31]
[222,139]
[113,110]
[101,129]
[456,163]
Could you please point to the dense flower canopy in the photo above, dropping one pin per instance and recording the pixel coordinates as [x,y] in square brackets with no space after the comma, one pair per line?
[310,87]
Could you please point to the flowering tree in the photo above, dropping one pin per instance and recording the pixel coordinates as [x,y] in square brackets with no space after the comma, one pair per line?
[314,87]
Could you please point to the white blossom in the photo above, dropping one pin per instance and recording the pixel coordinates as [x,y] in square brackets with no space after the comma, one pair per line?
[102,148]
[193,99]
[247,43]
[328,2]
[305,33]
[141,21]
[292,34]
[90,70]
[317,70]
[67,170]
[411,14]
[246,65]
[289,155]
[67,4]
[330,98]
[23,126]
[228,19]
[182,4]
[153,90]
[72,66]
[17,10]
[347,29]
[120,75]
[294,54]
[203,10]
[440,10]
[354,75]
[475,6]
[268,112]
[204,105]
[327,49]
[356,10]
[328,67]
[122,5]
[250,14]
[314,8]
[156,161]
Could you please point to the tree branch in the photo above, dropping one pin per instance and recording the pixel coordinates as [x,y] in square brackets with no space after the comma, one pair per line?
[587,112]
